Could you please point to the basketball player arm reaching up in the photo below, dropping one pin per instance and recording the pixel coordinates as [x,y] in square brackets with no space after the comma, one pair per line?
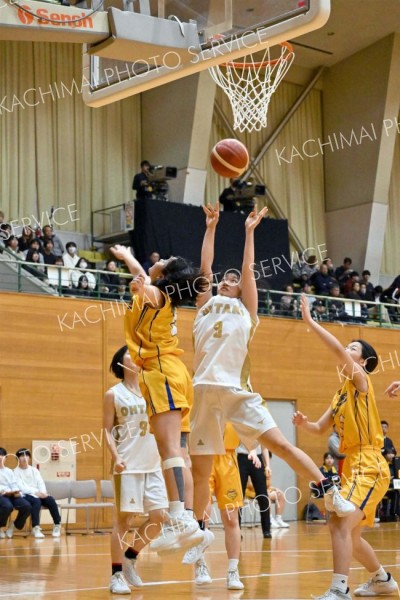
[249,289]
[108,424]
[353,371]
[207,251]
[141,284]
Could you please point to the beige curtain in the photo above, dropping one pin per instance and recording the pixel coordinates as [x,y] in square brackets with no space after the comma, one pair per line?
[298,187]
[391,248]
[60,152]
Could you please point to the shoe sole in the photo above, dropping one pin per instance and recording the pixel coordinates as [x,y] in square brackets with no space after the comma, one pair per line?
[188,542]
[374,595]
[200,553]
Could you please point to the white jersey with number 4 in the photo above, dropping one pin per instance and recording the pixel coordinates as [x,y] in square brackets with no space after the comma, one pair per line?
[222,331]
[135,444]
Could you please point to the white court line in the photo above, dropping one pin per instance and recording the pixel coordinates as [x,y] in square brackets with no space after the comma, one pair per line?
[173,582]
[52,555]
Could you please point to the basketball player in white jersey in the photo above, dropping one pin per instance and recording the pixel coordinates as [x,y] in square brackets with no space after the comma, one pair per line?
[138,480]
[223,329]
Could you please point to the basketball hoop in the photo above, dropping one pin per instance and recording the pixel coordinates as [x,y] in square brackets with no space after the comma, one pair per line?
[250,84]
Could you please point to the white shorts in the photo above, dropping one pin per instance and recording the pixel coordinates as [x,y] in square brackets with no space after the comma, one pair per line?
[215,405]
[140,492]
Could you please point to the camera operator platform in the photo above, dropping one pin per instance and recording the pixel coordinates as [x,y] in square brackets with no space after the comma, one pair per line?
[151,182]
[240,196]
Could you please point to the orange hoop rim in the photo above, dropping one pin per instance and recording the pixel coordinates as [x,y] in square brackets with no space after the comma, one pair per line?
[265,63]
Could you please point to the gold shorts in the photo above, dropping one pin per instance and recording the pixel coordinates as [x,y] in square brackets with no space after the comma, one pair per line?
[365,480]
[225,482]
[166,385]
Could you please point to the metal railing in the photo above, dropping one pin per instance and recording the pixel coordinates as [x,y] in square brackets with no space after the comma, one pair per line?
[270,304]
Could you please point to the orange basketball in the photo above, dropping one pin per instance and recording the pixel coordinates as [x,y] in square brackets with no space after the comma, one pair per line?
[229,158]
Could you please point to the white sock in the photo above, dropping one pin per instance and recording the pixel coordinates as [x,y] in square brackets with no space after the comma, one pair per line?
[190,513]
[176,508]
[233,564]
[380,574]
[339,582]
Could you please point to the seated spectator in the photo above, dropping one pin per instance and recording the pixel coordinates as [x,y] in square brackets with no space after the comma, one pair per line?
[80,269]
[304,268]
[391,297]
[318,311]
[353,293]
[11,499]
[12,244]
[343,273]
[25,238]
[110,281]
[348,286]
[379,311]
[83,287]
[153,258]
[336,307]
[322,281]
[47,251]
[307,289]
[5,231]
[288,303]
[33,256]
[34,244]
[57,277]
[71,256]
[58,248]
[31,484]
[331,269]
[328,469]
[370,294]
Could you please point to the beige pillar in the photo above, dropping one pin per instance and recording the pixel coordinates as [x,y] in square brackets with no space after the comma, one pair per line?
[361,104]
[176,127]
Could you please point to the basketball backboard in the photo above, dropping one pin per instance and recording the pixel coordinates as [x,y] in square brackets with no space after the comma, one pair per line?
[203,33]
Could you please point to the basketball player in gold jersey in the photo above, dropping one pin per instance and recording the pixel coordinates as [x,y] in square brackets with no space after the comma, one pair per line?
[365,475]
[151,336]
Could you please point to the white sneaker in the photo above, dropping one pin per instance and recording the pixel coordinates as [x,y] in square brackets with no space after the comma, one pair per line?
[334,502]
[377,587]
[194,554]
[56,531]
[2,534]
[233,580]
[129,571]
[281,523]
[10,530]
[201,574]
[37,532]
[334,594]
[274,523]
[118,584]
[182,532]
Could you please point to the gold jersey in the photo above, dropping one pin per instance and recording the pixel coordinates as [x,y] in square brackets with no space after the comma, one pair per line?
[151,332]
[356,418]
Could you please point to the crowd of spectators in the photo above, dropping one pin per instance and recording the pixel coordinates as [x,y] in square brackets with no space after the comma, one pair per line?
[331,291]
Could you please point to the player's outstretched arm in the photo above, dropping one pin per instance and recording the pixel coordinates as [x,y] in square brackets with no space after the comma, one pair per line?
[351,369]
[393,389]
[134,266]
[323,424]
[249,288]
[207,250]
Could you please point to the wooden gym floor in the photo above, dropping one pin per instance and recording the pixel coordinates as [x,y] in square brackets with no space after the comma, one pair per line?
[295,564]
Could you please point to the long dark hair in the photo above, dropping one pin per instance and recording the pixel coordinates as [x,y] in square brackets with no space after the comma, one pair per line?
[369,355]
[115,366]
[181,281]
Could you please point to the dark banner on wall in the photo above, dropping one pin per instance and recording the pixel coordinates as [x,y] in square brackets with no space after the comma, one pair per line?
[177,229]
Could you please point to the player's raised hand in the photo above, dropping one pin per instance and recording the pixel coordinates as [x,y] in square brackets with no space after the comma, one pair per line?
[120,252]
[254,218]
[299,419]
[305,309]
[212,215]
[393,388]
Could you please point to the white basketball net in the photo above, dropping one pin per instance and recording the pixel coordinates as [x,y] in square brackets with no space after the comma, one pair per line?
[250,84]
